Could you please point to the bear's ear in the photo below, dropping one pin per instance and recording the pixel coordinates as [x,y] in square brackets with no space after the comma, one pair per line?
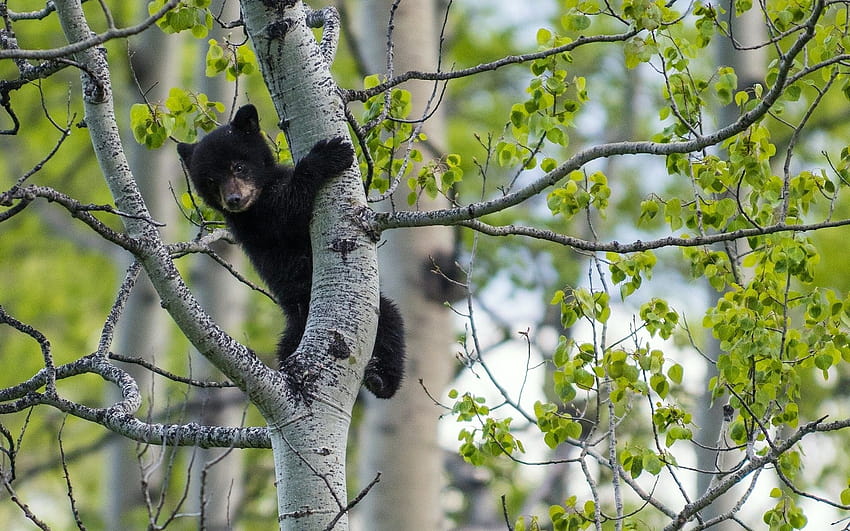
[246,120]
[185,151]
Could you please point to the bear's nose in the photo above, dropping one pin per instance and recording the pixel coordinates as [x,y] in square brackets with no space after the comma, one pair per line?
[233,200]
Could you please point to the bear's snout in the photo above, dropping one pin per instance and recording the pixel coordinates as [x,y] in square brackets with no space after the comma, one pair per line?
[237,195]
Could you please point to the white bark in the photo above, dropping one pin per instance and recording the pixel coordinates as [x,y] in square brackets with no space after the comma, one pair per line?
[217,475]
[748,30]
[309,436]
[230,357]
[144,329]
[399,437]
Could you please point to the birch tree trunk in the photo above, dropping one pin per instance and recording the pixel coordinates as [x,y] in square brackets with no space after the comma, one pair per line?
[309,433]
[748,30]
[308,407]
[145,330]
[399,437]
[217,477]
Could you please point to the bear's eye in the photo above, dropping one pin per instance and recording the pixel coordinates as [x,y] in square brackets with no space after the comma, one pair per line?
[239,167]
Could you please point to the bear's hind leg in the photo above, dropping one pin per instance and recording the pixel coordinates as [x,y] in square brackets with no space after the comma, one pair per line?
[385,370]
[296,322]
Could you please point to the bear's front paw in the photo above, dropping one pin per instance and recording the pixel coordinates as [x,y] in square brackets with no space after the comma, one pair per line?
[335,155]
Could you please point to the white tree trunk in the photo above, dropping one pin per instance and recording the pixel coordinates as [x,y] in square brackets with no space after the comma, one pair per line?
[309,435]
[749,65]
[399,437]
[217,480]
[145,329]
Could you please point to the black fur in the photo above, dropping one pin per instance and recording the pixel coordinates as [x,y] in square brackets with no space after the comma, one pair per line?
[268,209]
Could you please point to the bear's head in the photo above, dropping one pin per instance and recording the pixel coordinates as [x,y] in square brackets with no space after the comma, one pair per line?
[231,165]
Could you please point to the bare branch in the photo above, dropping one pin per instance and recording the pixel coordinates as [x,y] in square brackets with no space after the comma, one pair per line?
[91,42]
[49,7]
[203,244]
[171,376]
[637,246]
[23,506]
[357,499]
[118,307]
[74,510]
[363,95]
[118,417]
[78,210]
[49,369]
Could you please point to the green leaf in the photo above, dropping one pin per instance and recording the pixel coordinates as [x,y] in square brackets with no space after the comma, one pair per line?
[659,384]
[651,463]
[575,22]
[823,361]
[584,379]
[727,83]
[675,373]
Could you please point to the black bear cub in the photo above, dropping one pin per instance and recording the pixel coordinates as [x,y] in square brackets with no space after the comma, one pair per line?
[268,208]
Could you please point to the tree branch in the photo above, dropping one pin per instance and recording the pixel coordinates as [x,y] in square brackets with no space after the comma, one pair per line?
[756,463]
[326,18]
[472,211]
[363,95]
[77,210]
[49,370]
[90,42]
[170,375]
[118,417]
[637,246]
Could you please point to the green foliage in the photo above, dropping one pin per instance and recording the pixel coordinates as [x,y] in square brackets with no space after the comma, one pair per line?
[711,265]
[638,460]
[672,421]
[658,318]
[435,178]
[580,193]
[785,516]
[234,61]
[191,15]
[726,84]
[390,140]
[845,496]
[648,14]
[569,517]
[532,525]
[630,270]
[545,117]
[764,354]
[181,116]
[782,330]
[581,303]
[639,50]
[492,438]
[556,427]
